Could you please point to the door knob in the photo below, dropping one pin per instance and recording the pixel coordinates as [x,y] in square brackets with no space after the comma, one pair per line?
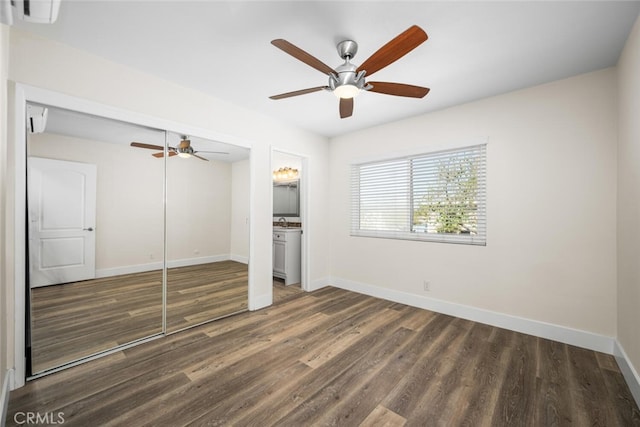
[88,229]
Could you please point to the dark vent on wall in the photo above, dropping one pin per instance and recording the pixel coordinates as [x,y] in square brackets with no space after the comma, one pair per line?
[27,7]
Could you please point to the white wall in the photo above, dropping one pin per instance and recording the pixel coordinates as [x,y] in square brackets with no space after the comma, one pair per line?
[551,244]
[629,201]
[240,211]
[6,295]
[54,66]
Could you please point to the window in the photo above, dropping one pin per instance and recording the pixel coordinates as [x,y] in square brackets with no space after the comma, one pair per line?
[438,197]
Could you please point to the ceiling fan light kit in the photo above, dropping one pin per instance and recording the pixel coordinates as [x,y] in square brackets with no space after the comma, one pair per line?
[348,80]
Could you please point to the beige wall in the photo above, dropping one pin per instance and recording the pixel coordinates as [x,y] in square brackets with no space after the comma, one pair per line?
[198,209]
[628,208]
[551,201]
[131,235]
[57,67]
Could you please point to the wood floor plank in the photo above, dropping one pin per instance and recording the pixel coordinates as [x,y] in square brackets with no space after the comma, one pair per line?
[445,377]
[607,361]
[553,404]
[488,374]
[457,389]
[207,368]
[383,364]
[437,339]
[383,417]
[515,401]
[324,403]
[589,386]
[625,413]
[76,320]
[344,340]
[318,379]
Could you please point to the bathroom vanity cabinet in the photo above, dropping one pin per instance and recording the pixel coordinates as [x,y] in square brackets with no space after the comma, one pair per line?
[286,254]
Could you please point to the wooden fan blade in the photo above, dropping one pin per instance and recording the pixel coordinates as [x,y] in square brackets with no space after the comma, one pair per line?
[346,107]
[394,50]
[149,146]
[298,92]
[399,89]
[160,155]
[201,158]
[303,56]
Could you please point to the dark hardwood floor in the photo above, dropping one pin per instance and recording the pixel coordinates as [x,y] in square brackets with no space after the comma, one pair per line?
[76,320]
[334,357]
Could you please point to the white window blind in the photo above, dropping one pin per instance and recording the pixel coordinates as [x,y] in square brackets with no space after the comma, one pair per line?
[437,197]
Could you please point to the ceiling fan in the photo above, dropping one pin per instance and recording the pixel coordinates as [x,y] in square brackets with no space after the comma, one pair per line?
[184,149]
[347,80]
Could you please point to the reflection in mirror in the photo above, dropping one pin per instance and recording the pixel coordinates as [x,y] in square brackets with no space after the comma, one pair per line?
[95,236]
[286,199]
[207,212]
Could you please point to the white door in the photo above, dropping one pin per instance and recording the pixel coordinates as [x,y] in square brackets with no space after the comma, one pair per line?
[62,221]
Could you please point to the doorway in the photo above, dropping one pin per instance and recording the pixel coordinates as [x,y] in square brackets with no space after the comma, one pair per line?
[290,237]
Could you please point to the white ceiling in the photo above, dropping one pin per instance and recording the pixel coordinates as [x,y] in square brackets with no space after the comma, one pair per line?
[475,49]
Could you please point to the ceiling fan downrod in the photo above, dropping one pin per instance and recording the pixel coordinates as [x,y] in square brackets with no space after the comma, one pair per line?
[347,76]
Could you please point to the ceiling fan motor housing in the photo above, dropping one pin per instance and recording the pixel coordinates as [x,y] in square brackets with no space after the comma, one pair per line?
[347,72]
[347,76]
[347,49]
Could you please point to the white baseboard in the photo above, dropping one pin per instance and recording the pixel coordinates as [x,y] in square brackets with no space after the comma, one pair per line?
[319,284]
[141,268]
[4,396]
[550,331]
[128,269]
[197,261]
[628,371]
[239,258]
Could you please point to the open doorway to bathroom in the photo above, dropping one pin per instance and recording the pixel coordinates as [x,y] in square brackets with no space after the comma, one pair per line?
[289,224]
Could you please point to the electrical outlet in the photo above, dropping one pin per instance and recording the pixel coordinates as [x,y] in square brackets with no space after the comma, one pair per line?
[427,285]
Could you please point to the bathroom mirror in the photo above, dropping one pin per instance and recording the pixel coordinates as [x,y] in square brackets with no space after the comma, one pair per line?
[286,199]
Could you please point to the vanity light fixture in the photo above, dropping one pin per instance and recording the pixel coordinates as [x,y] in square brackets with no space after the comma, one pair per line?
[285,174]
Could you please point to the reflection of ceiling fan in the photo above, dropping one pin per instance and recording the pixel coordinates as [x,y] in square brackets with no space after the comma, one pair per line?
[347,80]
[184,149]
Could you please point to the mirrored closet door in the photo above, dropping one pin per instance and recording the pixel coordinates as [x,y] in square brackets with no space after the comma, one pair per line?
[106,200]
[96,235]
[207,230]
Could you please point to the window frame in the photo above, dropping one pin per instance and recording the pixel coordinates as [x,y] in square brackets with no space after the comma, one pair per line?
[479,151]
